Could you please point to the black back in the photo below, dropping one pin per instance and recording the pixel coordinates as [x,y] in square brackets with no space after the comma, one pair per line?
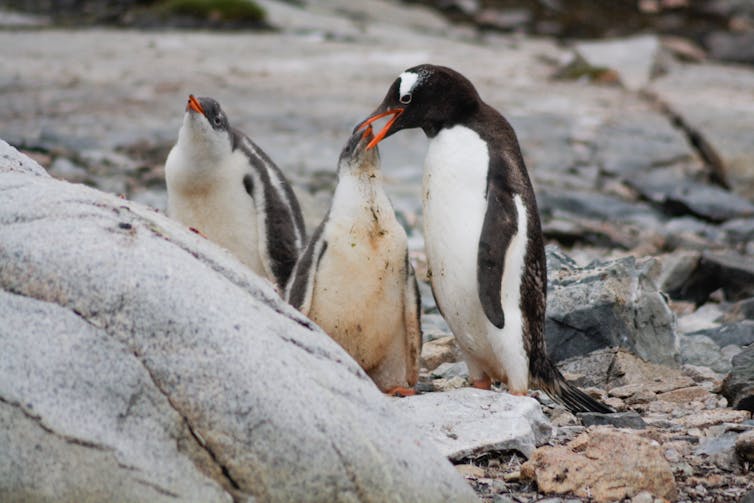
[284,221]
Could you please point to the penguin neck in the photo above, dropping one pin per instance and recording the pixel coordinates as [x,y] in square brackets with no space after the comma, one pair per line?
[357,189]
[202,149]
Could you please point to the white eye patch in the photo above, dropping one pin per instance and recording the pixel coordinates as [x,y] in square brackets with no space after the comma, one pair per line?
[408,82]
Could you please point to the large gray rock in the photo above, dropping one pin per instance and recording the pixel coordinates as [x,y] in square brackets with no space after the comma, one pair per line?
[606,304]
[161,368]
[469,422]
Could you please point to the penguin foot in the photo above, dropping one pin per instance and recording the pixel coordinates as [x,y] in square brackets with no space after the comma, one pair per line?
[483,383]
[400,391]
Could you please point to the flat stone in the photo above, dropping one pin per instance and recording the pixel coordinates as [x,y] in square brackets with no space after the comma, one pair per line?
[468,422]
[602,464]
[633,58]
[438,351]
[627,390]
[629,419]
[622,372]
[450,383]
[449,370]
[640,143]
[703,97]
[686,395]
[706,418]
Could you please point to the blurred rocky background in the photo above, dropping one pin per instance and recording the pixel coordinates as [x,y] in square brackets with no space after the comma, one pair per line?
[636,120]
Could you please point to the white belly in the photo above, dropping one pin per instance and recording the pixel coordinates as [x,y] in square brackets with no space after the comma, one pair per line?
[358,295]
[217,205]
[455,185]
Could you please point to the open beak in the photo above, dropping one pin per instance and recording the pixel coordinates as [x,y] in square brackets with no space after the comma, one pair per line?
[367,132]
[193,104]
[395,112]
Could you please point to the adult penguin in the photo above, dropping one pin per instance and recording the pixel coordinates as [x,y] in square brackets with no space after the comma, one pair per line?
[482,232]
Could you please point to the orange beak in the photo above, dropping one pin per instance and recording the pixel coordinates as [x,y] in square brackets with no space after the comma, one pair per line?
[367,131]
[193,104]
[395,112]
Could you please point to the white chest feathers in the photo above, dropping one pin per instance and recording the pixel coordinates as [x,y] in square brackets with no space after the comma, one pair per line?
[363,291]
[211,197]
[455,205]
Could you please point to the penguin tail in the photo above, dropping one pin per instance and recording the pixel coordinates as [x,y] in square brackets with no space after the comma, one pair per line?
[548,378]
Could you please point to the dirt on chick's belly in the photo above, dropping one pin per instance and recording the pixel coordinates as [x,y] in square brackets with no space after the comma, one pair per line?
[358,296]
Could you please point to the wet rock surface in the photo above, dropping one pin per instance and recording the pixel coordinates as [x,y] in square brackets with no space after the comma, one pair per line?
[645,189]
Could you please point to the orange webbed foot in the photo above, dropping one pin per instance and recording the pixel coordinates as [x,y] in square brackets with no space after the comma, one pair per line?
[483,383]
[400,391]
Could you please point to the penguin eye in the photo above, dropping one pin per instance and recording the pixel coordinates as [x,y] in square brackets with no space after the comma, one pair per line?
[406,98]
[218,120]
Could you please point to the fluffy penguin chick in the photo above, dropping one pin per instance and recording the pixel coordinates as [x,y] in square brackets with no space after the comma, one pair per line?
[482,232]
[354,278]
[220,183]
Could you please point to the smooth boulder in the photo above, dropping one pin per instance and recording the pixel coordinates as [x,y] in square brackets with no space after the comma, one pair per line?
[172,372]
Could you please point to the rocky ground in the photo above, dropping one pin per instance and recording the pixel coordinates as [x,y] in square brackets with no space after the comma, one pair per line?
[643,164]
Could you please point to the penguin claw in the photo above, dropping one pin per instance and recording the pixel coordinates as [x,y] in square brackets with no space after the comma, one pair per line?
[400,391]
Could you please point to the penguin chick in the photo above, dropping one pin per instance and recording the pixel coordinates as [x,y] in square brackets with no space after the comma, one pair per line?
[354,278]
[223,185]
[482,232]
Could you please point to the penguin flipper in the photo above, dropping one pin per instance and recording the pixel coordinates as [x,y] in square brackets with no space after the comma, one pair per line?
[280,223]
[301,284]
[412,322]
[500,224]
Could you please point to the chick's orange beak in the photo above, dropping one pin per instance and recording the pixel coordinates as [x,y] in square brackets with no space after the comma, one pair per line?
[193,104]
[395,112]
